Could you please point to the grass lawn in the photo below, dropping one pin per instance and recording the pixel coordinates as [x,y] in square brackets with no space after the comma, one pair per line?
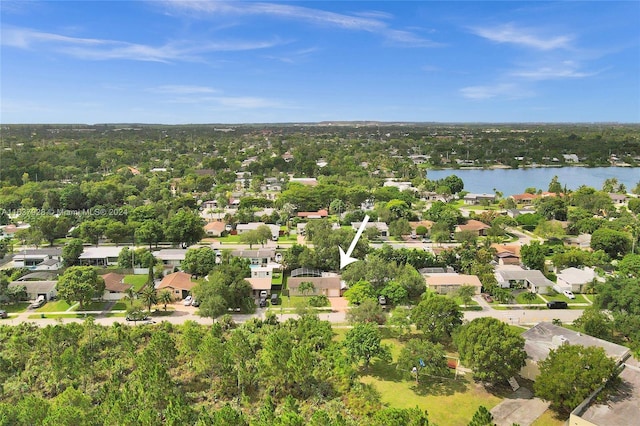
[137,281]
[579,298]
[95,306]
[448,401]
[277,278]
[548,418]
[15,308]
[520,299]
[460,302]
[57,306]
[120,306]
[70,315]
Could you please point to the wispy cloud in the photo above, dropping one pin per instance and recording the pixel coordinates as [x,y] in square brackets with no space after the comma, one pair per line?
[368,21]
[566,69]
[181,89]
[528,37]
[500,90]
[104,49]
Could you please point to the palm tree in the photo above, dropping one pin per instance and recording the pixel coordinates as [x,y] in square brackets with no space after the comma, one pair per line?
[130,295]
[149,296]
[165,297]
[529,297]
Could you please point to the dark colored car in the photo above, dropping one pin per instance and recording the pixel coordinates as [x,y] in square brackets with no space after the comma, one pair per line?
[557,304]
[274,299]
[263,302]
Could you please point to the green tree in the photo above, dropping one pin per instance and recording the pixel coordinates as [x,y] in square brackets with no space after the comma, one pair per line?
[199,261]
[264,234]
[71,252]
[369,311]
[118,232]
[400,321]
[185,227]
[437,317]
[491,349]
[595,323]
[149,232]
[306,287]
[363,343]
[466,293]
[428,359]
[53,227]
[529,297]
[250,237]
[571,373]
[149,296]
[359,292]
[615,243]
[400,417]
[482,416]
[80,284]
[165,298]
[629,266]
[533,255]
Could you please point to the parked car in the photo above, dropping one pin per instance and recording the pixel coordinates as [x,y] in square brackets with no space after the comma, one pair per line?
[557,304]
[569,294]
[38,302]
[137,317]
[195,303]
[275,300]
[3,314]
[263,302]
[382,300]
[188,300]
[487,297]
[264,293]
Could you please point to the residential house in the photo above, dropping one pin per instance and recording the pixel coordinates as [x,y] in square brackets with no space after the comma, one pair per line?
[474,226]
[402,186]
[171,258]
[259,284]
[618,199]
[509,276]
[45,259]
[582,241]
[114,286]
[214,229]
[576,280]
[449,283]
[570,158]
[544,336]
[327,285]
[179,283]
[100,256]
[320,214]
[241,228]
[382,227]
[525,198]
[475,199]
[507,254]
[262,256]
[36,289]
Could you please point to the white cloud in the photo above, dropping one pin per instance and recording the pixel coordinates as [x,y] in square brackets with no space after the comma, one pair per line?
[528,37]
[362,21]
[181,89]
[566,69]
[500,90]
[103,49]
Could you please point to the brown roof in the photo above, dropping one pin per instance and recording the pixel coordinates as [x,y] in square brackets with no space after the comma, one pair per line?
[319,213]
[453,279]
[503,248]
[260,283]
[214,226]
[115,282]
[525,196]
[177,280]
[426,223]
[473,225]
[318,282]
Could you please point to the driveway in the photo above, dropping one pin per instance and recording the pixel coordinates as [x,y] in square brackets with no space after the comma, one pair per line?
[520,408]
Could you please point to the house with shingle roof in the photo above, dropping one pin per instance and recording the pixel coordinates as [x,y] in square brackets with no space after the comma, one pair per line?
[114,286]
[179,283]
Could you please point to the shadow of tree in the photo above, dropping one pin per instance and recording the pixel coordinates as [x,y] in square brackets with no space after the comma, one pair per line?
[383,371]
[440,387]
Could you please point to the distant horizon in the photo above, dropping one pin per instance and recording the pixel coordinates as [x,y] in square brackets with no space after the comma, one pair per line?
[215,61]
[338,123]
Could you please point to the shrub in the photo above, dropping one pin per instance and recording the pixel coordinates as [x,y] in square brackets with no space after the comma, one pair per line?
[319,301]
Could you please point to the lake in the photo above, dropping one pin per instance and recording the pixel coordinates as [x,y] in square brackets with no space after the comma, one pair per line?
[515,181]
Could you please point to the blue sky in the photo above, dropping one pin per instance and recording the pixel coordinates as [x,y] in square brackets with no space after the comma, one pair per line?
[179,62]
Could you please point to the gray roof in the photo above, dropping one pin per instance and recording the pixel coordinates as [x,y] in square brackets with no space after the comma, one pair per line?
[50,251]
[260,253]
[38,276]
[543,337]
[36,286]
[534,276]
[170,254]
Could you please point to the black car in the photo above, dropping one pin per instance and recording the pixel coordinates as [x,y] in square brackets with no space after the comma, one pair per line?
[263,302]
[557,304]
[275,300]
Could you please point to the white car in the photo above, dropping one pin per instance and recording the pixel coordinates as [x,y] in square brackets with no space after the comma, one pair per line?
[569,294]
[188,300]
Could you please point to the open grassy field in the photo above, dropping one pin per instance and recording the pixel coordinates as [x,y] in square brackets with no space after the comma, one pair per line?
[95,306]
[137,281]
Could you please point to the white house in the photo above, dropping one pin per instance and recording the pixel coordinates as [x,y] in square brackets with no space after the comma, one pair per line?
[575,279]
[35,289]
[100,256]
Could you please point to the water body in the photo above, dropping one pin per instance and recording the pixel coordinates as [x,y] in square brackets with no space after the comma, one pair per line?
[515,181]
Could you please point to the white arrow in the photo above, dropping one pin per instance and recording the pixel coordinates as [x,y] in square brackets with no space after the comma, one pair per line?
[345,258]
